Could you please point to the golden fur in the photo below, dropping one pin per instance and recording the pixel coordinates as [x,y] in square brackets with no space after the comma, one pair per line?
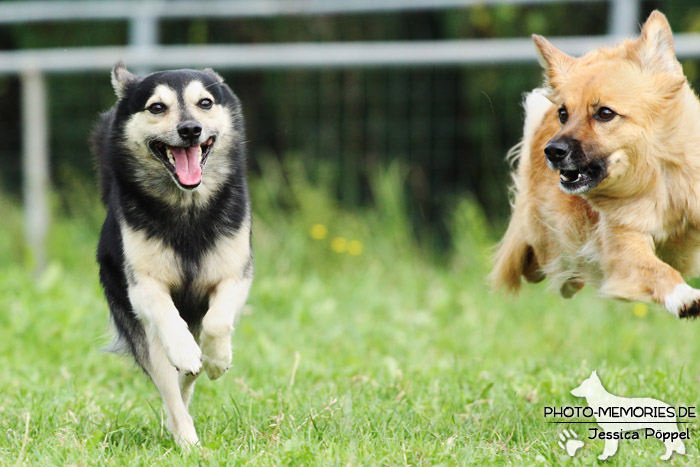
[637,232]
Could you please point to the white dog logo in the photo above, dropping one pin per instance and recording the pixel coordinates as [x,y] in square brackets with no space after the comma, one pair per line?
[622,417]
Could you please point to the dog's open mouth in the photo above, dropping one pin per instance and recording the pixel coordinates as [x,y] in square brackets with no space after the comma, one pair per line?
[184,162]
[582,179]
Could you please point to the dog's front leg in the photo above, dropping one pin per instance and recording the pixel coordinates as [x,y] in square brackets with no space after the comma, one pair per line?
[225,305]
[172,353]
[634,272]
[154,306]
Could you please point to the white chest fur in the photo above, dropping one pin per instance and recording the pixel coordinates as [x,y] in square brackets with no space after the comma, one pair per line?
[150,257]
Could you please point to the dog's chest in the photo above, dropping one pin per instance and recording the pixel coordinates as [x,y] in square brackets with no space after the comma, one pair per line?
[226,257]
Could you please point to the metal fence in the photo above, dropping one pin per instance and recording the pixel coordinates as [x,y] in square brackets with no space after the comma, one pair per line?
[143,52]
[143,49]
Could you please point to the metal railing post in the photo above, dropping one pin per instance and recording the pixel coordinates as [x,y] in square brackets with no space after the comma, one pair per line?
[624,18]
[143,32]
[35,165]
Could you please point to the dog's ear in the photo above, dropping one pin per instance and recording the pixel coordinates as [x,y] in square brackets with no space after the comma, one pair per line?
[656,51]
[122,79]
[217,77]
[556,63]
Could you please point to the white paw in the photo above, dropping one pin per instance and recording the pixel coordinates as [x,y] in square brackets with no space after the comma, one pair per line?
[683,302]
[570,442]
[183,432]
[181,349]
[217,354]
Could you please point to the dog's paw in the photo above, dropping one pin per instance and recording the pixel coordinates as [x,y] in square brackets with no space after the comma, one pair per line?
[182,350]
[570,287]
[183,432]
[217,354]
[683,302]
[215,368]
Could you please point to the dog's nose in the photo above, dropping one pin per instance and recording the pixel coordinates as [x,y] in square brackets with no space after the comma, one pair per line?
[557,150]
[189,131]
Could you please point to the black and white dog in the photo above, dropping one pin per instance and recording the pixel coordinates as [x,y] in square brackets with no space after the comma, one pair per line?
[174,253]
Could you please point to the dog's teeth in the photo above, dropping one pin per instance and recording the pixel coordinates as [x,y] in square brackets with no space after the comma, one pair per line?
[569,178]
[199,154]
[171,158]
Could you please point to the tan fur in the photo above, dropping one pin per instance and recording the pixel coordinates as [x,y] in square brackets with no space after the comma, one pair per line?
[637,232]
[227,259]
[150,257]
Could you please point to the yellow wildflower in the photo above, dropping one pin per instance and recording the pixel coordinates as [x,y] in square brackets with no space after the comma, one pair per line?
[318,231]
[640,310]
[339,245]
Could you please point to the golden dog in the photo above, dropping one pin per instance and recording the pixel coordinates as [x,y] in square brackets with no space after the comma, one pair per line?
[607,189]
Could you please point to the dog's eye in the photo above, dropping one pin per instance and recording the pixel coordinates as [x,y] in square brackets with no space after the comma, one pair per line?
[563,115]
[205,103]
[157,108]
[604,114]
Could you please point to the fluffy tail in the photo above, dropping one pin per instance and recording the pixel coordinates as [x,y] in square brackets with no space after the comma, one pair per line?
[515,257]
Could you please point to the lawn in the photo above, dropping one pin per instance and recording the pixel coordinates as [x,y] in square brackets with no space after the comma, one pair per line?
[359,345]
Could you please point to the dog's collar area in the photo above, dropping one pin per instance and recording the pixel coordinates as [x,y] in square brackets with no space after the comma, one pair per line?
[184,163]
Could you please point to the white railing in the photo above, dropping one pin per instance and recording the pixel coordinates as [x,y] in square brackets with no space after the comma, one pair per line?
[37,11]
[143,52]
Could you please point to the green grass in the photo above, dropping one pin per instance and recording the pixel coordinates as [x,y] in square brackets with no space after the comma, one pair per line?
[396,356]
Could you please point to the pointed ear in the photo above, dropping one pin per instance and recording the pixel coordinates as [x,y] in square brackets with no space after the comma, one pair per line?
[656,45]
[556,63]
[594,375]
[214,75]
[122,78]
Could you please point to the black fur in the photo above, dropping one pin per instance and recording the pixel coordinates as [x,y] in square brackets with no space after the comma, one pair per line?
[190,230]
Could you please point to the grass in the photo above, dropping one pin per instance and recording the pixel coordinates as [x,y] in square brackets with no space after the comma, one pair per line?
[393,356]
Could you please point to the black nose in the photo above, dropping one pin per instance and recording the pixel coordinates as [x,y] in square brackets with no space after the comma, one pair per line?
[189,131]
[557,150]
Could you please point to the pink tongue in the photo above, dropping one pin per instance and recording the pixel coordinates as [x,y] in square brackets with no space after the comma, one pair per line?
[187,165]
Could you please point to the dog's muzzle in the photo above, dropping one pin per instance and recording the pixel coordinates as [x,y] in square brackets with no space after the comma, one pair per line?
[556,151]
[578,173]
